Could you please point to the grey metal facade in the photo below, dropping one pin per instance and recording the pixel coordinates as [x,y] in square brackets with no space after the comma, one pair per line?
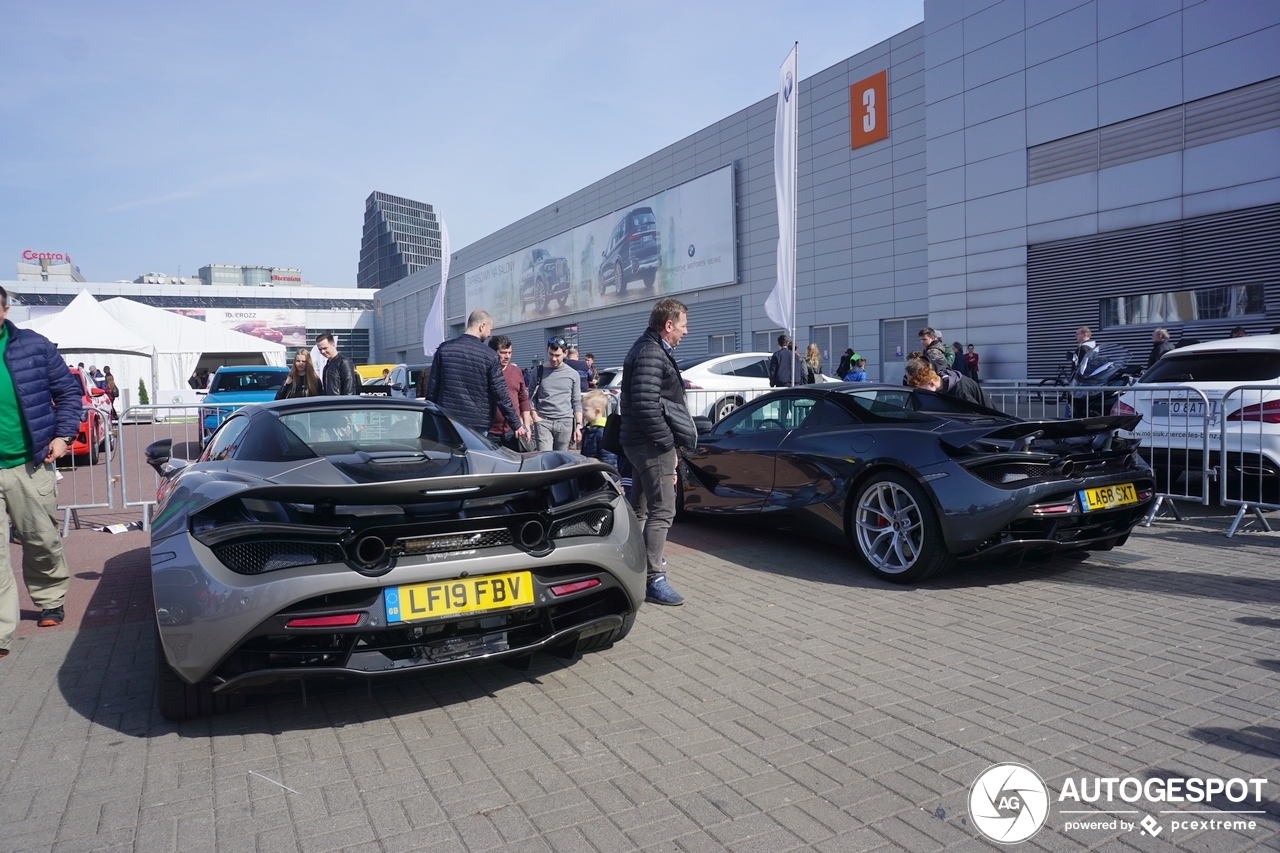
[993,109]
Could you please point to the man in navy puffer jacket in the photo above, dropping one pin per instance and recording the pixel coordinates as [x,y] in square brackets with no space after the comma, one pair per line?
[466,379]
[40,404]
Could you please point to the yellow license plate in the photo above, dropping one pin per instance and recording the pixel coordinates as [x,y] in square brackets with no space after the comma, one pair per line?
[1107,497]
[455,597]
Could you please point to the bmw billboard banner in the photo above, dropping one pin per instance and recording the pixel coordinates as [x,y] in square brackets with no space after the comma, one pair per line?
[679,240]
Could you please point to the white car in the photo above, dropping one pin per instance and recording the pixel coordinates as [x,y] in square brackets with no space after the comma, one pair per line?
[1199,378]
[715,385]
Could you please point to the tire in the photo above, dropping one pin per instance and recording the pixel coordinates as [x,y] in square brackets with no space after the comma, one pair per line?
[649,278]
[540,295]
[723,407]
[92,455]
[895,530]
[562,300]
[600,280]
[181,701]
[604,641]
[618,279]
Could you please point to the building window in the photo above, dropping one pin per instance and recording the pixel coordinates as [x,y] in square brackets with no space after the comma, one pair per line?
[722,344]
[832,341]
[1184,306]
[766,341]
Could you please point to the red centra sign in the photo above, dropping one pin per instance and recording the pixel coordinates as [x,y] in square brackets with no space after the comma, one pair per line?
[28,255]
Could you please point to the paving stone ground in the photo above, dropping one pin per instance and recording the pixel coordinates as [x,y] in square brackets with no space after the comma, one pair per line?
[794,703]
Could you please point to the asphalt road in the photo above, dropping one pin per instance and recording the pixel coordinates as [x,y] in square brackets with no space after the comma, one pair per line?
[794,703]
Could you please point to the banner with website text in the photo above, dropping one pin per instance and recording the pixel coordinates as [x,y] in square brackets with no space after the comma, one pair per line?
[679,240]
[288,326]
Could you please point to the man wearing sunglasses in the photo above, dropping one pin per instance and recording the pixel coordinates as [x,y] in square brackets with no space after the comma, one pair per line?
[556,399]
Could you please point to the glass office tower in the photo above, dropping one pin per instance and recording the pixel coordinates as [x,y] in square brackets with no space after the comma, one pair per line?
[401,236]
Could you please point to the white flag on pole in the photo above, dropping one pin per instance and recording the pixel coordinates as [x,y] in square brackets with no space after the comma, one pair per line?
[433,331]
[781,304]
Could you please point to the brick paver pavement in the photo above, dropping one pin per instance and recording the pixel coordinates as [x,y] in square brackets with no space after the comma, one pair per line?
[794,703]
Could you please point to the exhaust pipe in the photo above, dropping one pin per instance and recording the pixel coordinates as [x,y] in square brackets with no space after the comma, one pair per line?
[532,534]
[370,550]
[1064,468]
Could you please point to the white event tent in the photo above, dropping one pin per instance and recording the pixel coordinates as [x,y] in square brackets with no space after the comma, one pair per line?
[84,332]
[182,342]
[163,351]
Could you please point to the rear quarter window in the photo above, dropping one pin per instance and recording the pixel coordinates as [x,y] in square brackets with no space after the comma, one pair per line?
[1237,366]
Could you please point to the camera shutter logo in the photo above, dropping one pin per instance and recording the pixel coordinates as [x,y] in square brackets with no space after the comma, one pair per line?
[1008,803]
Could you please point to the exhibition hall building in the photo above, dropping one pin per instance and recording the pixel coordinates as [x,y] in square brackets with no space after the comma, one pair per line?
[1003,172]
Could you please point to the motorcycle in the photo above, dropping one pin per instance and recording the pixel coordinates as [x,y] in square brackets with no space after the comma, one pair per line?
[1109,366]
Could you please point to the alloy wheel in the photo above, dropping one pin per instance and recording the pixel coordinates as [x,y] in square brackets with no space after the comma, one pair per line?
[890,528]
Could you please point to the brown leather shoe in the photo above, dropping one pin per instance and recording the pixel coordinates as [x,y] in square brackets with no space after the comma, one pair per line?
[51,618]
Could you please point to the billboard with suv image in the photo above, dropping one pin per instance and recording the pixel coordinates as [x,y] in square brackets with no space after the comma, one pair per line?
[679,240]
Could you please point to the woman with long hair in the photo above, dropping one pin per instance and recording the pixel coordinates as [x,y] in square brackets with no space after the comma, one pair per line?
[302,381]
[813,363]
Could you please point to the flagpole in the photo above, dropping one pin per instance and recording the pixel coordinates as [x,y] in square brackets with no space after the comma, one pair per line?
[795,206]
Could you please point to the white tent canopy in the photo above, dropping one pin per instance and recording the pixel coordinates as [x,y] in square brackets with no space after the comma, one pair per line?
[84,332]
[180,341]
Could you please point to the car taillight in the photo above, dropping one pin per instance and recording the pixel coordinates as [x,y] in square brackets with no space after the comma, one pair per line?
[342,620]
[1122,408]
[1267,413]
[689,385]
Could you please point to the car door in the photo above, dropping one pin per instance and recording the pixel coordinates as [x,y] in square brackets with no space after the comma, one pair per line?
[732,467]
[815,457]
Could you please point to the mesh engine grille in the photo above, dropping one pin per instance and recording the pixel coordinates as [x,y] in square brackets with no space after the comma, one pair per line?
[252,558]
[596,522]
[1012,472]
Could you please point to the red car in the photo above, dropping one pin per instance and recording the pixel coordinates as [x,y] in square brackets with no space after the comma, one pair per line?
[99,401]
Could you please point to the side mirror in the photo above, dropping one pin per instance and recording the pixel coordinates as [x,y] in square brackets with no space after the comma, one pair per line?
[604,254]
[96,392]
[158,454]
[703,425]
[397,387]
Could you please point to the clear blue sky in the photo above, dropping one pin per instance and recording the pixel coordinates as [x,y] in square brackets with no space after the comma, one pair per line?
[144,137]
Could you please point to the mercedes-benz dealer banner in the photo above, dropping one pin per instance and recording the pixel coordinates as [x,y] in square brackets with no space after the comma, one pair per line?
[679,240]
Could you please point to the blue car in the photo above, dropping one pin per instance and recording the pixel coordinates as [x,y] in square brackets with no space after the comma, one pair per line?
[233,387]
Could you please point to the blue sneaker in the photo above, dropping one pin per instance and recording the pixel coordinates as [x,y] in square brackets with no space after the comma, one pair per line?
[658,591]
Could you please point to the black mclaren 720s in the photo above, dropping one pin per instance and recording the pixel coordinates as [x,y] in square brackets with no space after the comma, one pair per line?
[360,537]
[915,480]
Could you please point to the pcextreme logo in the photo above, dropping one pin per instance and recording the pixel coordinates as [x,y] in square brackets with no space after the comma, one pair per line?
[1009,803]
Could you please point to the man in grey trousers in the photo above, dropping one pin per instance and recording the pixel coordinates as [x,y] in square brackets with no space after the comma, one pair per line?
[655,422]
[556,400]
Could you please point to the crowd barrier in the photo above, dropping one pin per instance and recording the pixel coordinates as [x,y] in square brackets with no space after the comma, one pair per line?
[142,425]
[1249,424]
[85,473]
[1181,438]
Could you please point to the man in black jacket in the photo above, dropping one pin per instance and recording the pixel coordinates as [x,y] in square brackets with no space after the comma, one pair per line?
[655,422]
[339,376]
[466,379]
[1160,344]
[786,367]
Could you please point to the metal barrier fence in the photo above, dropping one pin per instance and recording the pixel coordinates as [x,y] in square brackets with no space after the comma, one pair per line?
[1175,430]
[1248,449]
[184,424]
[84,474]
[715,404]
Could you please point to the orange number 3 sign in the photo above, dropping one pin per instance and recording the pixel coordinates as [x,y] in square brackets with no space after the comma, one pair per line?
[869,110]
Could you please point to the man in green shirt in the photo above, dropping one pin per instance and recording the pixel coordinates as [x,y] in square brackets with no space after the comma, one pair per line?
[40,404]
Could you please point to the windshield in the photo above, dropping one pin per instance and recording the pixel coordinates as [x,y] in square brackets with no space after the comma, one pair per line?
[340,431]
[1216,366]
[247,380]
[643,221]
